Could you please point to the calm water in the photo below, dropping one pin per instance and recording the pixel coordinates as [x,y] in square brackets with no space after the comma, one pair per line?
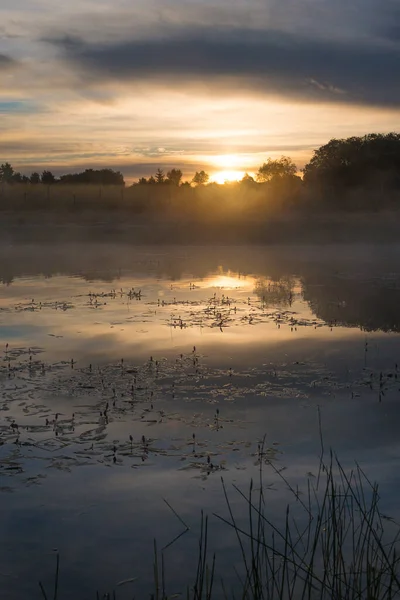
[131,376]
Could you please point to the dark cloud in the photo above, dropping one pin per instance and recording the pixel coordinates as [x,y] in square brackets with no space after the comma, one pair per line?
[386,23]
[393,33]
[6,62]
[270,61]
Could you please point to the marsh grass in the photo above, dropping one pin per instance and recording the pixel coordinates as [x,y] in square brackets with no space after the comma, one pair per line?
[330,544]
[334,547]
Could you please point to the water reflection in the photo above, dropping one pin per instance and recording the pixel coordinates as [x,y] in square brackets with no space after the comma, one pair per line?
[276,293]
[368,301]
[130,375]
[353,286]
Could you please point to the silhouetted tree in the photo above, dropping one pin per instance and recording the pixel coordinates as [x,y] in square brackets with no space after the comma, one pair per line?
[282,167]
[174,176]
[371,161]
[247,179]
[6,173]
[48,178]
[160,177]
[34,178]
[94,177]
[151,180]
[9,175]
[200,178]
[142,181]
[17,177]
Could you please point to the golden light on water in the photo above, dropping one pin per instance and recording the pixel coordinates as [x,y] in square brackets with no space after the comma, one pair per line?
[230,281]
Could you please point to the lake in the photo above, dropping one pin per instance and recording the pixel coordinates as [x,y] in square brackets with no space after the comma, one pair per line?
[133,378]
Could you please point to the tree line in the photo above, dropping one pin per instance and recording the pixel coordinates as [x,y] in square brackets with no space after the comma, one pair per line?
[282,167]
[89,176]
[98,177]
[174,177]
[337,171]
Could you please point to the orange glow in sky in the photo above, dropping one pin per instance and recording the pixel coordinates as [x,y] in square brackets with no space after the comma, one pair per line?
[231,167]
[231,175]
[101,103]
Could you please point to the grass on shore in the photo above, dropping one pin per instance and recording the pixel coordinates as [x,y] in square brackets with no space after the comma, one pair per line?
[332,545]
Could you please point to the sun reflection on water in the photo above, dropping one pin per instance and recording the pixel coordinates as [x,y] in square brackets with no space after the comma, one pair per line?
[230,281]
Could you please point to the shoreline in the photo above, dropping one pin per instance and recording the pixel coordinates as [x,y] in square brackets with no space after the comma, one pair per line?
[105,226]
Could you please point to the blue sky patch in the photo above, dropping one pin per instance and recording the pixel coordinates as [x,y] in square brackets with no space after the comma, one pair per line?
[18,106]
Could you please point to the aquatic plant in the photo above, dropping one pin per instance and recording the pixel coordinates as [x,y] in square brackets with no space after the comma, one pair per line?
[332,545]
[336,548]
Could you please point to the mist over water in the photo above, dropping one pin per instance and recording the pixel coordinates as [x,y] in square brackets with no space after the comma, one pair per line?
[130,375]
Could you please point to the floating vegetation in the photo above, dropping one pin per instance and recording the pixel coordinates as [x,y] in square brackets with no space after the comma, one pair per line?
[148,383]
[73,416]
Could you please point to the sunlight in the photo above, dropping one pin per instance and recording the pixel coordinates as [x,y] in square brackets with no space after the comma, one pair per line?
[227,161]
[231,281]
[223,176]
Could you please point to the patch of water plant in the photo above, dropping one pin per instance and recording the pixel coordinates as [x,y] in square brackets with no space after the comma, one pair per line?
[331,542]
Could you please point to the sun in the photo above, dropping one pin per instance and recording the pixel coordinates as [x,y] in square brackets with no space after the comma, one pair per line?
[230,168]
[226,176]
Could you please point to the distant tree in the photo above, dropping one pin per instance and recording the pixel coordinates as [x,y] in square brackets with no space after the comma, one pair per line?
[34,178]
[200,178]
[25,179]
[48,178]
[142,181]
[160,177]
[186,184]
[6,173]
[151,180]
[17,177]
[282,167]
[371,161]
[174,176]
[94,177]
[247,179]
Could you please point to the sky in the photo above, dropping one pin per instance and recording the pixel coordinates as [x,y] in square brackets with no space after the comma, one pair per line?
[193,84]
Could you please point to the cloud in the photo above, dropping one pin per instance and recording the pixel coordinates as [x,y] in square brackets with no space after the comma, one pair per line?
[386,22]
[19,107]
[168,82]
[6,62]
[144,19]
[272,62]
